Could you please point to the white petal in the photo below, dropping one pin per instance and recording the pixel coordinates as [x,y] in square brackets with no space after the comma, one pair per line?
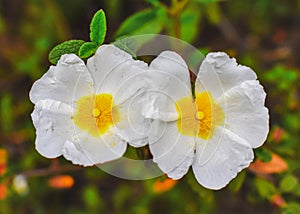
[65,82]
[133,127]
[52,120]
[245,113]
[75,154]
[219,159]
[170,81]
[218,73]
[115,71]
[172,151]
[87,150]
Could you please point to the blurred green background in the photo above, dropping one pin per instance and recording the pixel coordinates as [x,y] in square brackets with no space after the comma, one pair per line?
[262,34]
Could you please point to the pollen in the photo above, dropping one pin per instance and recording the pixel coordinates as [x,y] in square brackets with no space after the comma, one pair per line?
[96,114]
[198,117]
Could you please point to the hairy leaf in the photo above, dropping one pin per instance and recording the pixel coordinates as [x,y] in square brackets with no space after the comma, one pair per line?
[71,46]
[87,49]
[98,28]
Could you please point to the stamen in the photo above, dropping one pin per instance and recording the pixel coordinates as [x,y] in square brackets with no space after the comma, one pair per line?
[96,113]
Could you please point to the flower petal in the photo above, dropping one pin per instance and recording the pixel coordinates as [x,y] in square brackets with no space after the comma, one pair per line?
[52,120]
[115,71]
[65,82]
[75,154]
[170,81]
[218,73]
[87,150]
[245,113]
[172,151]
[219,159]
[133,127]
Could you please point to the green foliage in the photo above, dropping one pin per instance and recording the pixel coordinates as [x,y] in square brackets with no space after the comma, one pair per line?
[79,47]
[25,43]
[156,3]
[6,112]
[292,208]
[98,28]
[265,188]
[237,183]
[263,154]
[68,47]
[282,76]
[189,20]
[92,199]
[87,49]
[125,47]
[207,1]
[213,13]
[144,22]
[288,183]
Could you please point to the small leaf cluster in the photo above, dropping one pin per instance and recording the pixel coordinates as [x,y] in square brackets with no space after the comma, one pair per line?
[79,47]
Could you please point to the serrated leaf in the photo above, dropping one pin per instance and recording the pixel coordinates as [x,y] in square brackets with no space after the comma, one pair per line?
[98,28]
[288,183]
[265,188]
[87,49]
[149,21]
[68,47]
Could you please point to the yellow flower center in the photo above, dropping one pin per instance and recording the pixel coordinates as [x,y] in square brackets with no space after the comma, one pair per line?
[96,114]
[198,117]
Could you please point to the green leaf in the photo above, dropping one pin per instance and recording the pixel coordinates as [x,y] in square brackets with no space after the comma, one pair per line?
[71,46]
[265,188]
[155,3]
[87,49]
[125,47]
[91,197]
[98,28]
[263,154]
[190,24]
[149,21]
[292,208]
[288,183]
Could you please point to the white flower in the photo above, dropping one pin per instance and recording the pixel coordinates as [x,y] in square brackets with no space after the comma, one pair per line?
[87,113]
[215,132]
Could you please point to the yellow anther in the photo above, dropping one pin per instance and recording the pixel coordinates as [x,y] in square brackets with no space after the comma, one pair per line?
[96,112]
[199,115]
